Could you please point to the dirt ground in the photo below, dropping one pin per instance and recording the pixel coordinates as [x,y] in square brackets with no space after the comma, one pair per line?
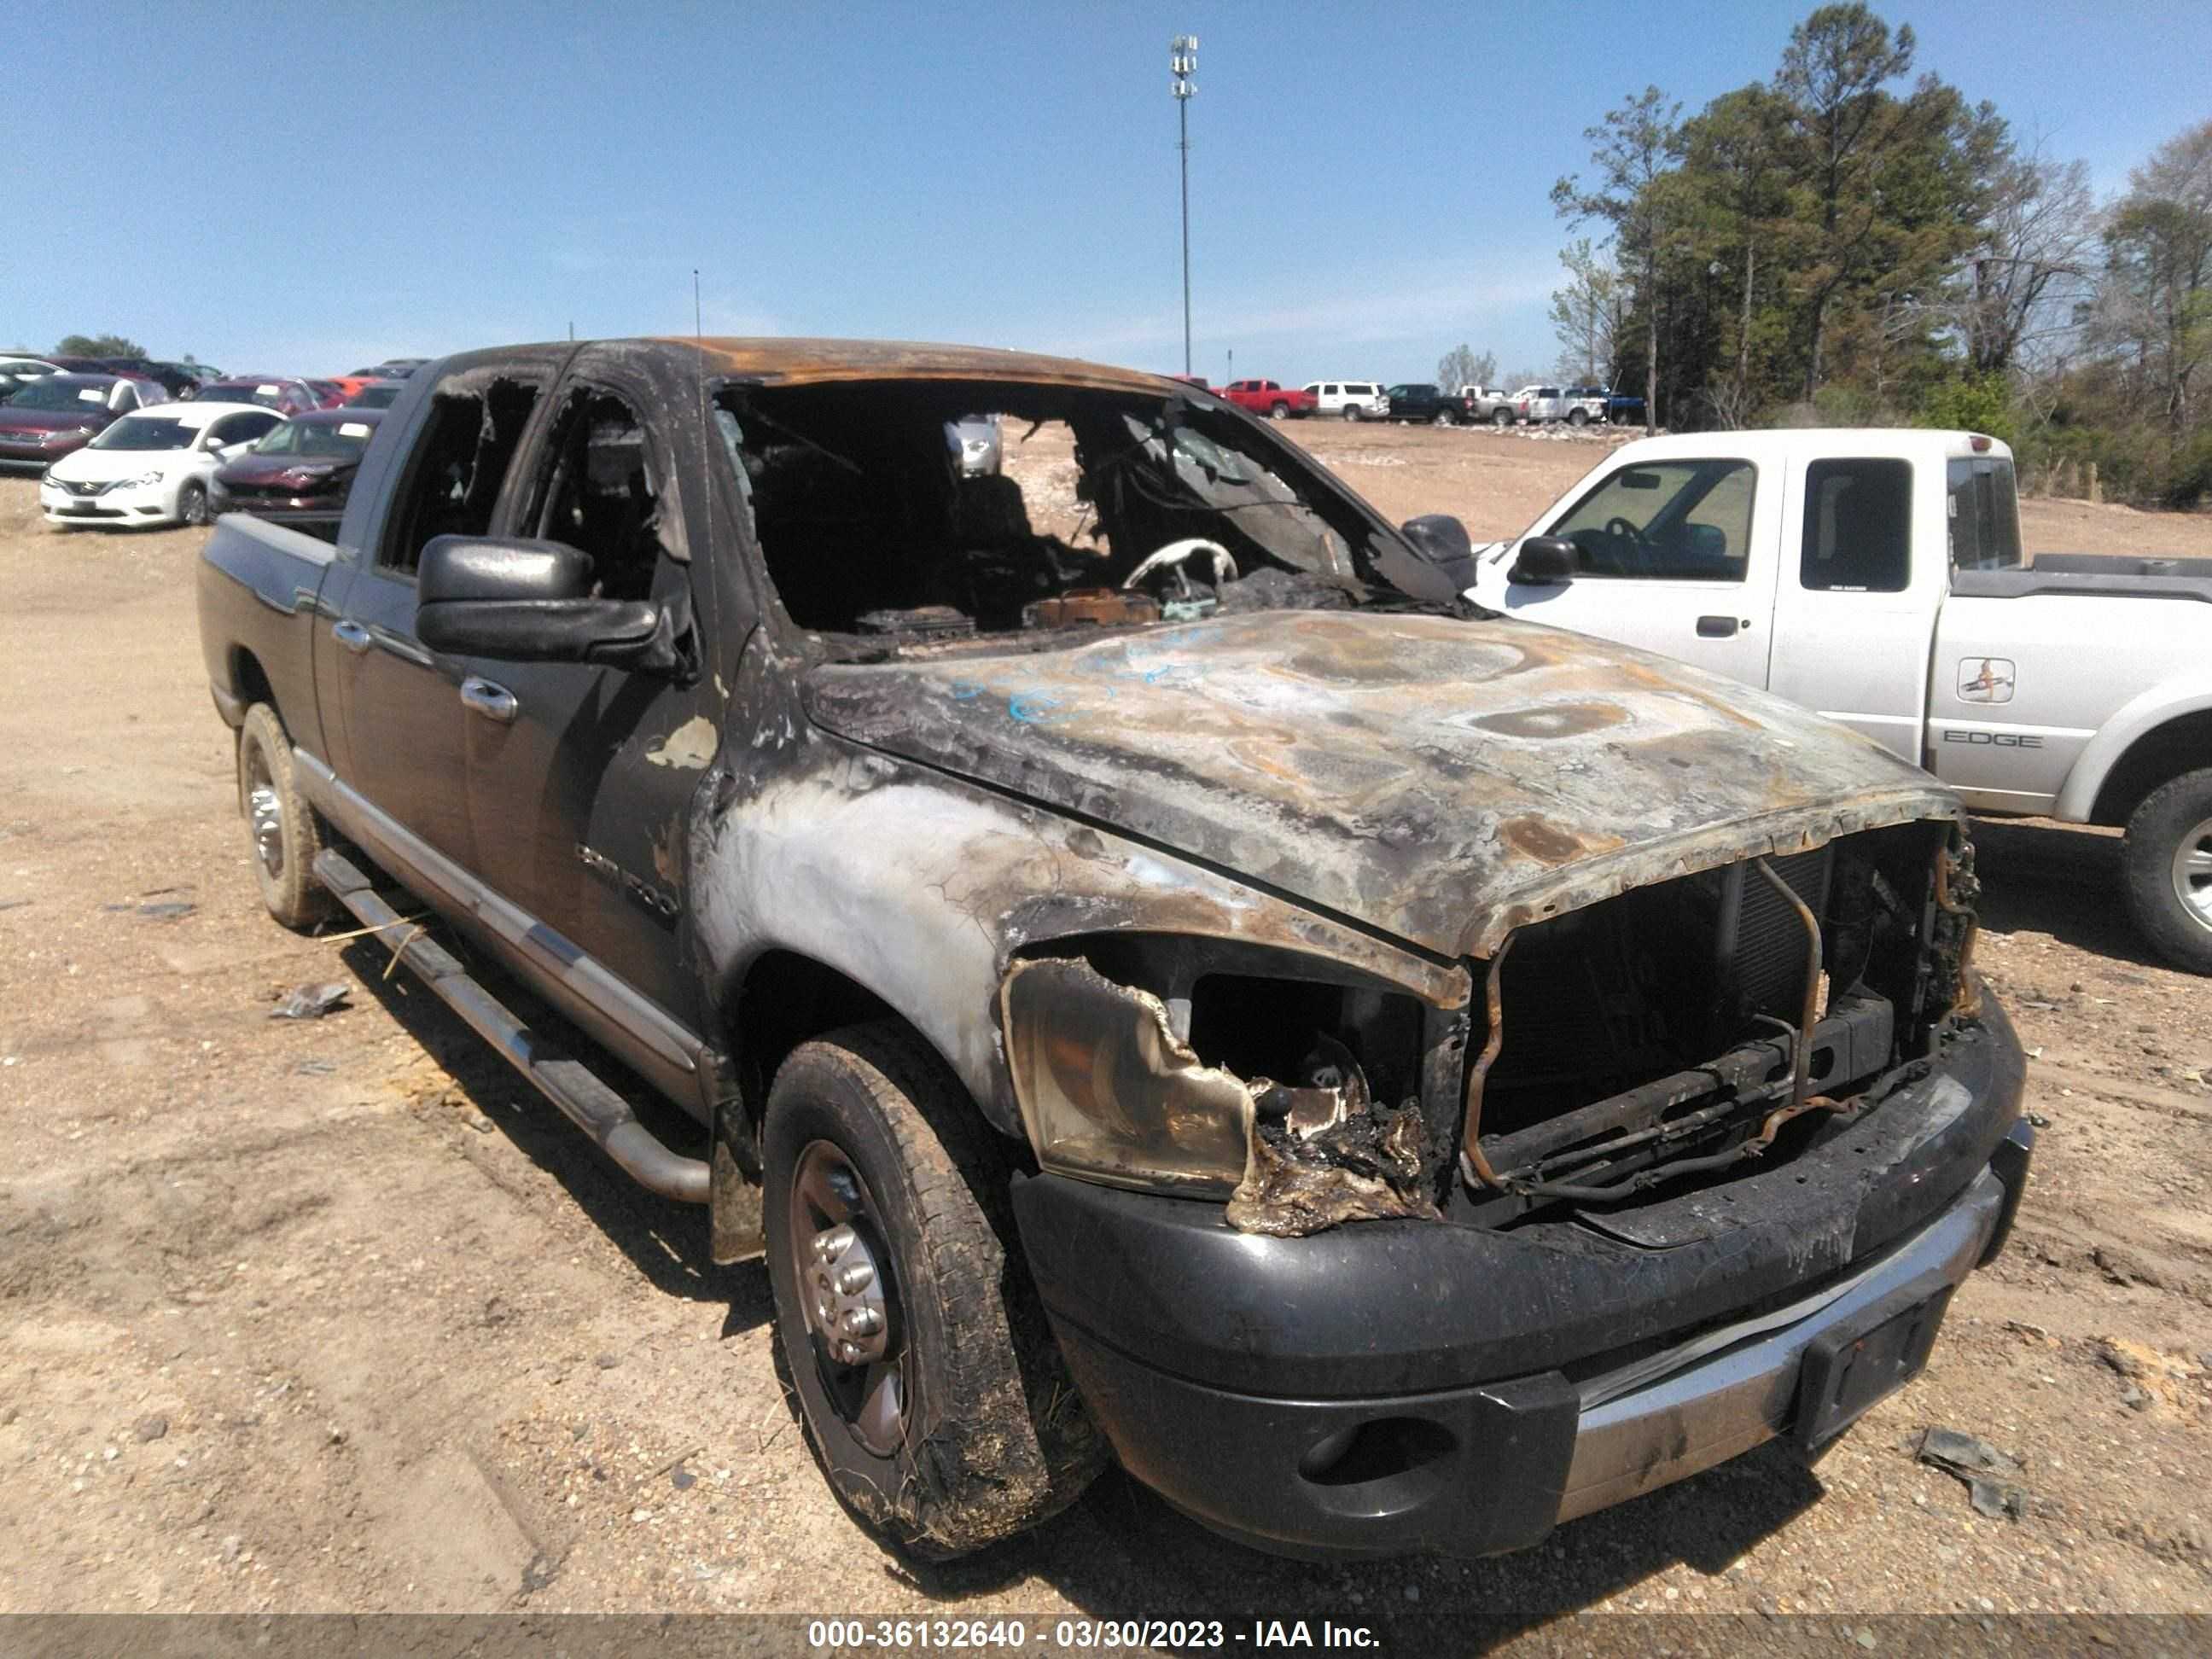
[336,1315]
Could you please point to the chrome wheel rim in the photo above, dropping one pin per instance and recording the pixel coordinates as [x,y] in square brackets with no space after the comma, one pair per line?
[849,1298]
[2192,874]
[265,813]
[195,505]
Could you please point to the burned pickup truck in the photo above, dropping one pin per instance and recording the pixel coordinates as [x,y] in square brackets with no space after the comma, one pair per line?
[1158,972]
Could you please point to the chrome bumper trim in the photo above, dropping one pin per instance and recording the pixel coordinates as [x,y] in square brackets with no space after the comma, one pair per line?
[1675,1414]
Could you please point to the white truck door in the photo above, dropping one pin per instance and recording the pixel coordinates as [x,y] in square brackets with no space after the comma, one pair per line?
[1864,565]
[1674,555]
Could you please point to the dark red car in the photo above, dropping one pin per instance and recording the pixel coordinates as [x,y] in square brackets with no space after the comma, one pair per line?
[298,473]
[57,414]
[285,393]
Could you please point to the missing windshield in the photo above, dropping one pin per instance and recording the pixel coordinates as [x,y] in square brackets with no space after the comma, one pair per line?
[911,511]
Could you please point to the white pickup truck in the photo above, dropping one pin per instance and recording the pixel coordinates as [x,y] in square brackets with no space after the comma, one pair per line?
[1876,576]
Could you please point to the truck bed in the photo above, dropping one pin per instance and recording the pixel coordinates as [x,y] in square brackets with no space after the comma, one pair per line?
[2095,573]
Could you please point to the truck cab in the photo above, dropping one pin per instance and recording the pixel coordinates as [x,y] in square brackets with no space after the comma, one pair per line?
[1877,576]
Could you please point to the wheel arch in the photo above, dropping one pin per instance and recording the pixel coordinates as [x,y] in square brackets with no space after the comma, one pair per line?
[783,996]
[249,684]
[2155,738]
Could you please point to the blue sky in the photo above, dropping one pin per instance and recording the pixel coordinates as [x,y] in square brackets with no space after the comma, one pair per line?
[279,190]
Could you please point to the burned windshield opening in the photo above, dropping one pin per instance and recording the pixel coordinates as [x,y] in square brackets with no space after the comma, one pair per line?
[937,510]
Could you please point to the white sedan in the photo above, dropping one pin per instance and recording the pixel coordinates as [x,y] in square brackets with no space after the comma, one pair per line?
[153,467]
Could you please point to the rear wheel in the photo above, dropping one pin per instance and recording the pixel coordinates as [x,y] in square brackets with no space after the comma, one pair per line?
[1350,411]
[1578,418]
[1441,417]
[1501,418]
[284,834]
[192,502]
[2167,865]
[929,1383]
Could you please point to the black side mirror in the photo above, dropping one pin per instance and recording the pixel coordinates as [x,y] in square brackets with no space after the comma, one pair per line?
[1544,562]
[1442,540]
[530,601]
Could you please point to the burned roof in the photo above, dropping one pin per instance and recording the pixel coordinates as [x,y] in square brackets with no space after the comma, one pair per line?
[788,362]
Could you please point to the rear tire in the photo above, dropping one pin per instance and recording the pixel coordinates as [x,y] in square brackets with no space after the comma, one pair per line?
[2166,867]
[1350,411]
[282,832]
[1441,417]
[192,503]
[1501,419]
[1578,418]
[948,1423]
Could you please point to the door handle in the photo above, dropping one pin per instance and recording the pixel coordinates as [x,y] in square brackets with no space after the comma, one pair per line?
[1715,627]
[350,634]
[493,702]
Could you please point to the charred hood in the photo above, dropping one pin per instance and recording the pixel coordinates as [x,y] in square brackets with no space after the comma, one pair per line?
[1435,779]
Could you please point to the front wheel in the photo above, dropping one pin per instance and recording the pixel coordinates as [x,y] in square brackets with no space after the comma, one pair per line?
[929,1383]
[1578,418]
[285,834]
[2166,867]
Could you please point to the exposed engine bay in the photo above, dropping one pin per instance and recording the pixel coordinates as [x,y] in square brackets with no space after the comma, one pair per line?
[1617,1055]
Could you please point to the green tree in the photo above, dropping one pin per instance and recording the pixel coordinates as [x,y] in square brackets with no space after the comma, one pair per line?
[98,345]
[1632,149]
[1839,125]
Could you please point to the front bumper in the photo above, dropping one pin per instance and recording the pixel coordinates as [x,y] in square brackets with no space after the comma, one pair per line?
[1391,1387]
[147,504]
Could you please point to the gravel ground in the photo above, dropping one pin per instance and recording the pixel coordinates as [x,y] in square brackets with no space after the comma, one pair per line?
[334,1317]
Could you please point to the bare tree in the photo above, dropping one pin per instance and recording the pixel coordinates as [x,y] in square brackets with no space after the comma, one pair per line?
[1462,366]
[1586,314]
[2155,300]
[2020,289]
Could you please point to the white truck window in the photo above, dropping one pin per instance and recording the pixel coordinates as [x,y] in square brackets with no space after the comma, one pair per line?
[1858,526]
[1984,515]
[1666,521]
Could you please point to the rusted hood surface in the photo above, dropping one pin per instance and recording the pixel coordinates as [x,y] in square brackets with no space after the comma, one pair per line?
[1441,781]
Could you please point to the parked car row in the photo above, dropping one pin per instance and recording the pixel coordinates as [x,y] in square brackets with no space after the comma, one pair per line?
[1424,403]
[117,448]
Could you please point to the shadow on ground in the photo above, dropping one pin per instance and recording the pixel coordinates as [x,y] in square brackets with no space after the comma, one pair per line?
[1121,1552]
[2060,879]
[666,1241]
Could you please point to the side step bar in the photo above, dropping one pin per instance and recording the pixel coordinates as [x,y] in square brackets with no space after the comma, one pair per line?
[588,1103]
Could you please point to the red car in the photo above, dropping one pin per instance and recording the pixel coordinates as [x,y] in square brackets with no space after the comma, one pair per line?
[298,473]
[1266,398]
[60,413]
[287,394]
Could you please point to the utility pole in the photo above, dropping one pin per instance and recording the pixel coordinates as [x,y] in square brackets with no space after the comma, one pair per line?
[1182,60]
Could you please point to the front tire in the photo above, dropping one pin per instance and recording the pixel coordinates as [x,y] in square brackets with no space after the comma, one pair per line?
[1279,411]
[1578,418]
[284,833]
[927,1376]
[2167,868]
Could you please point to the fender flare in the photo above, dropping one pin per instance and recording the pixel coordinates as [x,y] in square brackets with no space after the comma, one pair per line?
[2145,711]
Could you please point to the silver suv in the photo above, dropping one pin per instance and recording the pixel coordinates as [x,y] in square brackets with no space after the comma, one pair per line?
[1350,400]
